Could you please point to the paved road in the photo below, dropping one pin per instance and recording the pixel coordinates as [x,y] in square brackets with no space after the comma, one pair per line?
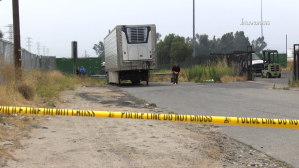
[242,99]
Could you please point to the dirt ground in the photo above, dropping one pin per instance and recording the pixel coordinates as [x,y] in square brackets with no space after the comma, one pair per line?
[106,142]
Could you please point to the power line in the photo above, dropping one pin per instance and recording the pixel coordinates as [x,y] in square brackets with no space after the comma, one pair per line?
[29,43]
[10,32]
[44,50]
[38,47]
[47,51]
[262,17]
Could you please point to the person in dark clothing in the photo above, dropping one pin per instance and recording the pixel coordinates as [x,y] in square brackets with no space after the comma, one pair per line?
[176,70]
[78,71]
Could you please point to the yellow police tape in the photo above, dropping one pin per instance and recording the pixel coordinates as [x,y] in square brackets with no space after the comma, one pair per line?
[238,121]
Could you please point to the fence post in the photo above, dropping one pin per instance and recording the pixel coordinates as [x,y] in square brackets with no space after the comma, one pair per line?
[74,55]
[249,67]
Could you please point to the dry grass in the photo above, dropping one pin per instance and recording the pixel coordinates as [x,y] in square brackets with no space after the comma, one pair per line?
[289,66]
[26,90]
[226,79]
[38,87]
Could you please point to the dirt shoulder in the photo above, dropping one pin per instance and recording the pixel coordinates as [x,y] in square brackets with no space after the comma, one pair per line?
[106,142]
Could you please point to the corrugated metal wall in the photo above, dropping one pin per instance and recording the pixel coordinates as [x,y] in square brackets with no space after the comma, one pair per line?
[30,61]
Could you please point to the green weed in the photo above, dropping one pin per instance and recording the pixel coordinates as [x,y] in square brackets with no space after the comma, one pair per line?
[51,104]
[25,118]
[153,105]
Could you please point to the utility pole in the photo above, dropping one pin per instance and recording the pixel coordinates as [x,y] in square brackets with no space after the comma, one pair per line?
[10,32]
[29,43]
[287,44]
[47,51]
[194,28]
[38,47]
[17,38]
[262,18]
[44,50]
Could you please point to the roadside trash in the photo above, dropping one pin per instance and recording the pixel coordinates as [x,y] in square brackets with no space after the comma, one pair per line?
[41,138]
[7,143]
[146,104]
[5,124]
[210,80]
[14,115]
[36,126]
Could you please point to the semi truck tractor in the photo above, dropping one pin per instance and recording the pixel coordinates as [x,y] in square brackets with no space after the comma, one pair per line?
[130,53]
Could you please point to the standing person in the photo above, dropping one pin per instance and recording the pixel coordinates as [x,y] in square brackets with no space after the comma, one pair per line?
[82,71]
[176,70]
[78,71]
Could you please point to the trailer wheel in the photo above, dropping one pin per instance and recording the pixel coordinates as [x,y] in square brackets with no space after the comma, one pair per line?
[107,78]
[147,78]
[119,79]
[135,81]
[279,75]
[268,75]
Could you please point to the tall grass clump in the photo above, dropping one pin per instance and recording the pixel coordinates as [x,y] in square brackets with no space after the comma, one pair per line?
[36,86]
[293,82]
[214,72]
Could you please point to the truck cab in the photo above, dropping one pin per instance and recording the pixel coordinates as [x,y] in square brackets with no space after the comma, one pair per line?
[257,64]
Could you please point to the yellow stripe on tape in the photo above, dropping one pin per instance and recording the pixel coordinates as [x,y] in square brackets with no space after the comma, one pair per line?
[238,121]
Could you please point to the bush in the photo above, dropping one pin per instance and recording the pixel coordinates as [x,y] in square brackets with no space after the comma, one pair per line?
[200,73]
[26,90]
[153,105]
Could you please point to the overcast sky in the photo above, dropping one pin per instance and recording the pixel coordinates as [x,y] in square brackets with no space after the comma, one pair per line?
[55,23]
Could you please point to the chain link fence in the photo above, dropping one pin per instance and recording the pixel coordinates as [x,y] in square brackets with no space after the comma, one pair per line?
[29,61]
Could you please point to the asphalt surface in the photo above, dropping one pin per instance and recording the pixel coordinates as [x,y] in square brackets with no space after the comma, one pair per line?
[240,99]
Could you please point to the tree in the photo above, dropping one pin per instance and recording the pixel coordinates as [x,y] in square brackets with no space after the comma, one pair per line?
[240,41]
[1,34]
[100,50]
[180,51]
[259,44]
[203,46]
[173,49]
[158,37]
[213,44]
[226,43]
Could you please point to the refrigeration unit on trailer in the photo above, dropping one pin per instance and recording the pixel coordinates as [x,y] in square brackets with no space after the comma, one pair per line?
[130,53]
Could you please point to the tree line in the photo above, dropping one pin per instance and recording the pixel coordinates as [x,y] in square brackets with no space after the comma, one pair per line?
[175,48]
[1,34]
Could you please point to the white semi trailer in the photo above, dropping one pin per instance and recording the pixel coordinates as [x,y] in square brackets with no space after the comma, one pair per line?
[130,53]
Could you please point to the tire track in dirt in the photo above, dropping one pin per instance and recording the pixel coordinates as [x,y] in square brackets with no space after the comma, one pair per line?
[106,142]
